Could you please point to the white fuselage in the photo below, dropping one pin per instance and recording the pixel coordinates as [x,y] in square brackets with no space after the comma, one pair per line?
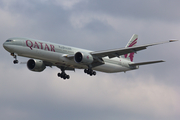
[55,54]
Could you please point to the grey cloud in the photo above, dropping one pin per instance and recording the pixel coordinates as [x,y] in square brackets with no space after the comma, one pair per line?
[138,9]
[45,97]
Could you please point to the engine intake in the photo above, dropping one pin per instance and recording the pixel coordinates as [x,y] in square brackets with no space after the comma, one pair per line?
[36,65]
[83,58]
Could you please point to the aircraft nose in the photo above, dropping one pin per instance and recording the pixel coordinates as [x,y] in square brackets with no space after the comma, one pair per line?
[5,45]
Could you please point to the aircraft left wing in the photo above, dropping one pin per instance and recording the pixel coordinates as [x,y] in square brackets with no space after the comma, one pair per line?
[123,51]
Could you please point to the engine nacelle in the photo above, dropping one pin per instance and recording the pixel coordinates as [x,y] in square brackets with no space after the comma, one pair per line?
[36,65]
[83,58]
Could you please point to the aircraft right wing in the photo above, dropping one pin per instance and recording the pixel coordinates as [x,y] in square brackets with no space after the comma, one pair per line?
[123,51]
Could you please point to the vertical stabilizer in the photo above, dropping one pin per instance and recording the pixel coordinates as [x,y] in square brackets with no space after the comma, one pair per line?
[132,42]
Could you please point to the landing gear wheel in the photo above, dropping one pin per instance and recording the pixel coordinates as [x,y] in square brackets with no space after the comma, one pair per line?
[67,76]
[90,72]
[15,61]
[63,75]
[59,74]
[85,70]
[94,73]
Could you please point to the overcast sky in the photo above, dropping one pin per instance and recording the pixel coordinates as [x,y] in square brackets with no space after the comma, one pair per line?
[149,93]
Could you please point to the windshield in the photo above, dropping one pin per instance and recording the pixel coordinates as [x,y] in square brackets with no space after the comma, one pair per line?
[9,40]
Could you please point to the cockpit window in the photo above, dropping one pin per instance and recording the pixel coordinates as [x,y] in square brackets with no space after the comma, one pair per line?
[9,40]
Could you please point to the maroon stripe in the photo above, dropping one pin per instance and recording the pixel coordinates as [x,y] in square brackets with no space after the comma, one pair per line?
[134,42]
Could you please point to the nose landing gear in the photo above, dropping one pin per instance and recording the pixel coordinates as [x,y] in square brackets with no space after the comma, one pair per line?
[15,57]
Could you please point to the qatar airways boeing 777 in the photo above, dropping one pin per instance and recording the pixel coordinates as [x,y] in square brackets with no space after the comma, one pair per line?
[44,54]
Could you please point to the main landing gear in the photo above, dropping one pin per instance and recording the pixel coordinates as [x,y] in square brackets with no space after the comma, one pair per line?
[63,75]
[15,57]
[90,72]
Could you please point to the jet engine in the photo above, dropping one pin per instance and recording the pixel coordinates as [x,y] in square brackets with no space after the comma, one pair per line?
[36,65]
[83,58]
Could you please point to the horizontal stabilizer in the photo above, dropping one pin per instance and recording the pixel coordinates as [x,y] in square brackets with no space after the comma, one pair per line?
[173,40]
[145,63]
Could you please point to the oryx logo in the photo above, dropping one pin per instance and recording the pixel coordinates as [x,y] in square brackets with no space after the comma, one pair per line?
[131,55]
